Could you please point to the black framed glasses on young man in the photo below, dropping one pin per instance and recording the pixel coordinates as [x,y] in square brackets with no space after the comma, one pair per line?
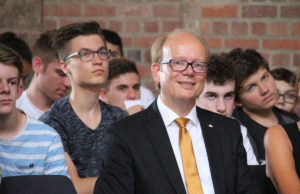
[288,97]
[181,65]
[87,55]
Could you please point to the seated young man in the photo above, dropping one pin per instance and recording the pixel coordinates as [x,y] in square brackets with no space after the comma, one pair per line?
[218,96]
[114,43]
[82,119]
[285,81]
[256,96]
[27,146]
[49,83]
[122,88]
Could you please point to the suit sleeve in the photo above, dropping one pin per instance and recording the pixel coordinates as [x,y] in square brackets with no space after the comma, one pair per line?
[116,169]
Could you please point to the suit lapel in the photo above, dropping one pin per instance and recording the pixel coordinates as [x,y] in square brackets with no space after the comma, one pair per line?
[161,143]
[212,141]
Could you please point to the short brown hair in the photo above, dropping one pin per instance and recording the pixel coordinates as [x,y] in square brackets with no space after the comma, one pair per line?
[65,34]
[11,58]
[44,48]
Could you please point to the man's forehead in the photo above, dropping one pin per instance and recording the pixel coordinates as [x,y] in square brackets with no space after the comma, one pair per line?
[227,87]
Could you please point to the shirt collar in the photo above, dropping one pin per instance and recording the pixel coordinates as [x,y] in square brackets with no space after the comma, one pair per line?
[168,115]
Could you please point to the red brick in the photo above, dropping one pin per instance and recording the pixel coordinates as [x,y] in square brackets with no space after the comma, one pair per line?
[281,44]
[45,10]
[220,27]
[115,25]
[214,42]
[135,11]
[279,28]
[170,26]
[280,59]
[295,28]
[219,11]
[241,43]
[143,41]
[151,26]
[290,11]
[65,10]
[144,71]
[296,60]
[126,41]
[93,10]
[266,56]
[205,27]
[132,26]
[65,22]
[147,55]
[49,24]
[259,28]
[254,11]
[238,28]
[166,11]
[102,23]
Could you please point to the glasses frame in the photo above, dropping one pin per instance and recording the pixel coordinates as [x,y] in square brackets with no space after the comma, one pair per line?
[284,98]
[188,64]
[93,52]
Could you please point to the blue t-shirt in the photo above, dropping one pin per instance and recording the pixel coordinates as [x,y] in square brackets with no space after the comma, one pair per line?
[36,150]
[83,144]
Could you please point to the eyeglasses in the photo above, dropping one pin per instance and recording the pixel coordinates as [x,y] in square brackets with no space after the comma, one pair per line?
[181,65]
[288,97]
[87,55]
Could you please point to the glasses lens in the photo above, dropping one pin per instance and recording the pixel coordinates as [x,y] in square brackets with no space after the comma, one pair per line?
[103,53]
[290,97]
[86,55]
[199,67]
[178,65]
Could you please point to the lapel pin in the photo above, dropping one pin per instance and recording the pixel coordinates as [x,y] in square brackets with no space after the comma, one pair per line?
[210,125]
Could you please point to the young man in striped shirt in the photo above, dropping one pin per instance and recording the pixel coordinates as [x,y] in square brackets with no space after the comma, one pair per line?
[27,146]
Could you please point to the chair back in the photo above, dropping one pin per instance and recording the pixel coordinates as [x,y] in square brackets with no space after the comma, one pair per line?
[37,184]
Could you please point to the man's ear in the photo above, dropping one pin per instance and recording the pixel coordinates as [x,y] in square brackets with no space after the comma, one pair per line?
[155,69]
[37,65]
[64,67]
[103,95]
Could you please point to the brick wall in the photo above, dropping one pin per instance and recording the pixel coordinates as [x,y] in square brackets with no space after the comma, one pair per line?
[137,21]
[270,26]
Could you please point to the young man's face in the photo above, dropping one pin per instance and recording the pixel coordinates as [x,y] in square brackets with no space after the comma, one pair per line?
[52,81]
[258,92]
[287,96]
[124,87]
[10,89]
[86,74]
[115,51]
[218,98]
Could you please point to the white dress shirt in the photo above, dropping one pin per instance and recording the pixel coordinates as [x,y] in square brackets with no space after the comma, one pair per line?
[194,129]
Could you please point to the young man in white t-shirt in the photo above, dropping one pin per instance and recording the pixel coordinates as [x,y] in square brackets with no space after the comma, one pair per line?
[218,96]
[49,83]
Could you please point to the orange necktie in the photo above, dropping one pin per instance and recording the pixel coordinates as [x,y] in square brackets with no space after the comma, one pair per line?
[192,179]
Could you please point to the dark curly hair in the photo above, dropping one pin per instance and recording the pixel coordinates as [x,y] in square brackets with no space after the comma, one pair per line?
[119,66]
[247,62]
[284,75]
[219,70]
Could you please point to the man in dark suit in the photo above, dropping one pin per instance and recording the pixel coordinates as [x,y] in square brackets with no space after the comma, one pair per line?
[153,152]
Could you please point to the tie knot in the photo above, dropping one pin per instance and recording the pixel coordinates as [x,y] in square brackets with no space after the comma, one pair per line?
[181,122]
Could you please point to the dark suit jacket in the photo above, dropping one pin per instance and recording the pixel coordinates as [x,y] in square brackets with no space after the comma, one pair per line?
[139,157]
